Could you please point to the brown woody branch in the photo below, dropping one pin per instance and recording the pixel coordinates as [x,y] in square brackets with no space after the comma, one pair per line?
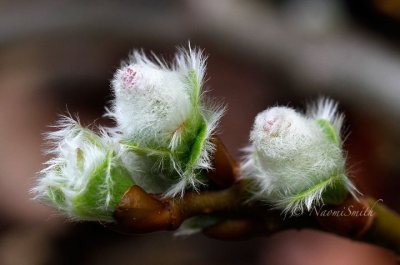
[140,212]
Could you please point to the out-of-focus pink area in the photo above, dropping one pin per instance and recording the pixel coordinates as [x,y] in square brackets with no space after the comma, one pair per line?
[60,56]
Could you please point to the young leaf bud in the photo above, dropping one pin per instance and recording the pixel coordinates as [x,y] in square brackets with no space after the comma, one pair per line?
[295,161]
[86,178]
[163,118]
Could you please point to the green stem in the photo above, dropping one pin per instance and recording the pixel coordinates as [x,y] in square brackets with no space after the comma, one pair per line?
[385,230]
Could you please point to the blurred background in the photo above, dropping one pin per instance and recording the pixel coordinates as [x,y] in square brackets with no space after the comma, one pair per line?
[60,55]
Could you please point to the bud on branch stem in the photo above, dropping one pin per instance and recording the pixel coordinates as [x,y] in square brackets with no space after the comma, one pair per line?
[139,212]
[162,165]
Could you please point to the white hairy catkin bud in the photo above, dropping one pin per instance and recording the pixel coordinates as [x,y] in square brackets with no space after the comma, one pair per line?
[295,160]
[86,178]
[164,119]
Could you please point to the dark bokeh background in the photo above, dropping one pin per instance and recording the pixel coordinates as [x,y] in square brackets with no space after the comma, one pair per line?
[60,55]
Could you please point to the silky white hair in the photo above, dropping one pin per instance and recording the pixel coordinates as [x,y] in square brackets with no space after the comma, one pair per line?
[153,103]
[291,161]
[76,152]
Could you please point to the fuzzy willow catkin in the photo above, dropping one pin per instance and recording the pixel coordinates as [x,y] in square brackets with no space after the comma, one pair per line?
[164,121]
[86,178]
[161,141]
[295,160]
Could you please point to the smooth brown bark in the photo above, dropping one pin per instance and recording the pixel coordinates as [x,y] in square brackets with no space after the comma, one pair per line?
[226,171]
[139,212]
[362,219]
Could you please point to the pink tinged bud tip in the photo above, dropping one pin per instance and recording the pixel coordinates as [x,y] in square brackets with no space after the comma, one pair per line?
[128,78]
[276,125]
